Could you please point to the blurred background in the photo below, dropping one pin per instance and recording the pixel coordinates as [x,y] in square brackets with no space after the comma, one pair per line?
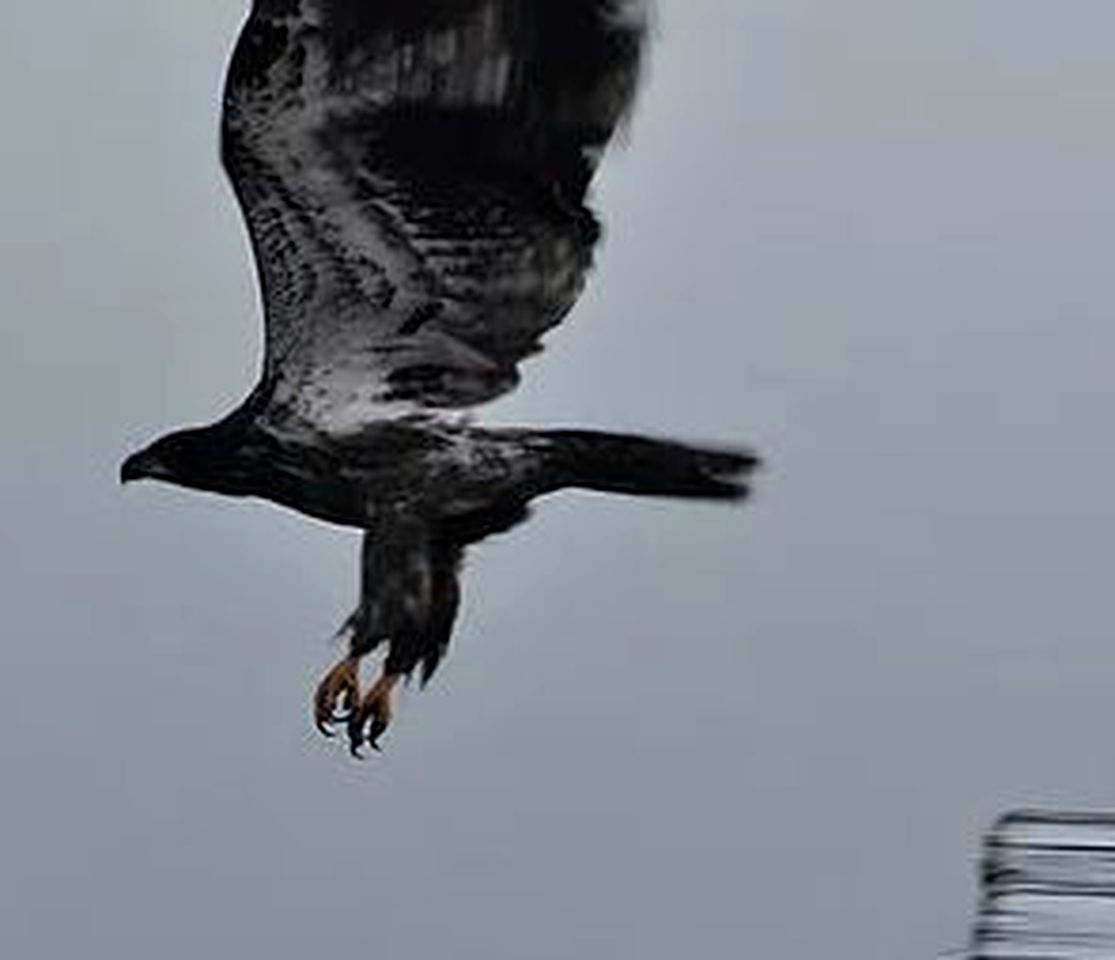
[871,238]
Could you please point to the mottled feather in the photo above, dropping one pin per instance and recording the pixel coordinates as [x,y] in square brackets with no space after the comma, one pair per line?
[413,178]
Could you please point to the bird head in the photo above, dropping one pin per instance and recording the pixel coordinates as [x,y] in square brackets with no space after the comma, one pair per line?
[154,462]
[205,458]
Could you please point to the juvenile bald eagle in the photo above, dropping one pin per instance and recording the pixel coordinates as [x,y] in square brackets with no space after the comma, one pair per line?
[413,176]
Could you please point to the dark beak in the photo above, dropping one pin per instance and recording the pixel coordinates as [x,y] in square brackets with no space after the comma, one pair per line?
[136,467]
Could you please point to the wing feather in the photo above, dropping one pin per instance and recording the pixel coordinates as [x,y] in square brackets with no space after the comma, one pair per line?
[412,176]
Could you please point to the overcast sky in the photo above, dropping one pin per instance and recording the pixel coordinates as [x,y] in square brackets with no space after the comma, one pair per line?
[873,238]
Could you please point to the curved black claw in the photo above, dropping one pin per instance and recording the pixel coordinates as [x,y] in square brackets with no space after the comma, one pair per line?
[368,722]
[365,726]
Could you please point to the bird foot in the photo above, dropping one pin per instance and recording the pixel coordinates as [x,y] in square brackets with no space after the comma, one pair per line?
[368,721]
[340,686]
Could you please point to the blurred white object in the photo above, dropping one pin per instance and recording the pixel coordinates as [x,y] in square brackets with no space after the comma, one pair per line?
[1048,888]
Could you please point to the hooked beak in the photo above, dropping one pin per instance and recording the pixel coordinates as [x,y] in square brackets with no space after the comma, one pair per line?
[138,466]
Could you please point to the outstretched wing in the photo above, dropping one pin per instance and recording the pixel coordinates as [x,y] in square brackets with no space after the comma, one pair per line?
[413,177]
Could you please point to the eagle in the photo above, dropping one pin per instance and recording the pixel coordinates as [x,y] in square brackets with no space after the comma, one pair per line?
[413,175]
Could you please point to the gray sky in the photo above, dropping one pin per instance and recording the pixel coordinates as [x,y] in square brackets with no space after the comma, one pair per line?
[873,238]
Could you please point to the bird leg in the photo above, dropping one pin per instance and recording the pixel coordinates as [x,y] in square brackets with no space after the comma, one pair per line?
[367,722]
[340,685]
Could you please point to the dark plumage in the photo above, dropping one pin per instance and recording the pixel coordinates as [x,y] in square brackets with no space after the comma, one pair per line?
[413,175]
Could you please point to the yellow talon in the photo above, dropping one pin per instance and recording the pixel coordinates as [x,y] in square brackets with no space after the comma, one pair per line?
[341,684]
[373,714]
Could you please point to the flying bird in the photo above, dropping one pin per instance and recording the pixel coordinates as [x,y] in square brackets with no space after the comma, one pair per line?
[413,176]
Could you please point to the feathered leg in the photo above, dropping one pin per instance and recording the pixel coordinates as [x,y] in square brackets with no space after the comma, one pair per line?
[391,584]
[421,641]
[408,600]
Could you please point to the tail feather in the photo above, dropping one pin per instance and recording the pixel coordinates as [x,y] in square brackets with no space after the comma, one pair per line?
[620,463]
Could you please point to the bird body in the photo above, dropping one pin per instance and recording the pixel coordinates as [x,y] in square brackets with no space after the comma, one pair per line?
[413,175]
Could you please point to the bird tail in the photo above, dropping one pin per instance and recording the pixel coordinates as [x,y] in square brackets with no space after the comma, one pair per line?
[621,463]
